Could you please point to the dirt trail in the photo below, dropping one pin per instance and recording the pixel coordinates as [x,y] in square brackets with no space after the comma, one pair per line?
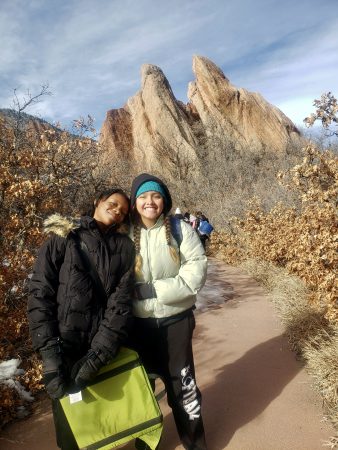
[256,395]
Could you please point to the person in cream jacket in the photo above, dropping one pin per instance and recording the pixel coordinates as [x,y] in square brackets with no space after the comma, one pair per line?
[170,269]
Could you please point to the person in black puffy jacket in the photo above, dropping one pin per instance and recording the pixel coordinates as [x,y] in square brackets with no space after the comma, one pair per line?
[76,327]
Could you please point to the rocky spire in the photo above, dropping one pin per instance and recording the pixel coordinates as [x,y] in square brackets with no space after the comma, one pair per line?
[158,133]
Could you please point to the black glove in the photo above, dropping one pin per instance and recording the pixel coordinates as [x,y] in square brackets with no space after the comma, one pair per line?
[53,369]
[145,290]
[85,369]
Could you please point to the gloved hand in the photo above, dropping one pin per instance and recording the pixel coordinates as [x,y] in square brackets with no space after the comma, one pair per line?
[145,290]
[53,369]
[85,369]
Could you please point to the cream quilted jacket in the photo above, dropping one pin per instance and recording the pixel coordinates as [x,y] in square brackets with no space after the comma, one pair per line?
[176,285]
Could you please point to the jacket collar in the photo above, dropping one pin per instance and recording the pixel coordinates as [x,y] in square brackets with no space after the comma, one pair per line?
[158,223]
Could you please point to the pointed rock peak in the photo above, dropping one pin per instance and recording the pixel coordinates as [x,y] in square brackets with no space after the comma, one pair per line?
[204,68]
[155,74]
[150,69]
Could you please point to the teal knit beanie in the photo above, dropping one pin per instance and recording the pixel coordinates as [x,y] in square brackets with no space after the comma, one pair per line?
[150,186]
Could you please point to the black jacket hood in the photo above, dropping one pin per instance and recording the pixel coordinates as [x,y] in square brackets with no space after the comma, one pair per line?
[142,178]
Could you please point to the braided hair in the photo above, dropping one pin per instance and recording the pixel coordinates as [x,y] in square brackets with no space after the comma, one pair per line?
[137,241]
[138,257]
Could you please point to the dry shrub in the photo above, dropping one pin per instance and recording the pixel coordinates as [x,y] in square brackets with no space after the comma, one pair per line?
[326,112]
[10,401]
[293,252]
[303,322]
[227,246]
[322,363]
[332,443]
[321,353]
[303,241]
[41,171]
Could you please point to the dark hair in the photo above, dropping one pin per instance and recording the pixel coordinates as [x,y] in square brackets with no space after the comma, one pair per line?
[103,195]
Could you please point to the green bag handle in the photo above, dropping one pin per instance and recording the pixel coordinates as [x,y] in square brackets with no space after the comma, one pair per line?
[162,393]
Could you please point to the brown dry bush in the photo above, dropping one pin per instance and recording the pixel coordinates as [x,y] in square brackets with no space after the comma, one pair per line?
[322,363]
[323,366]
[293,252]
[41,171]
[303,241]
[10,401]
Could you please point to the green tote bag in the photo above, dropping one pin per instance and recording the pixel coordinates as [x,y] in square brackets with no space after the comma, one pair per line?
[118,406]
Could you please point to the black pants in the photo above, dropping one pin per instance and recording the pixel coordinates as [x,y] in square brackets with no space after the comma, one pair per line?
[204,238]
[167,351]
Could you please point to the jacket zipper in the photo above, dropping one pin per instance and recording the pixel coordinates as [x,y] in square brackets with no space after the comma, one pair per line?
[148,255]
[149,268]
[101,239]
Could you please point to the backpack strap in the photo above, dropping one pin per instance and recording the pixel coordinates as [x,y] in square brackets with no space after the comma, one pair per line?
[176,230]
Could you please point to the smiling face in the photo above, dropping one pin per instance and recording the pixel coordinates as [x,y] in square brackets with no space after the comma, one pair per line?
[150,206]
[110,211]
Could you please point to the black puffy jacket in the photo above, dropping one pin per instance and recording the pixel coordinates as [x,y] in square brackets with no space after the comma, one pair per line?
[63,300]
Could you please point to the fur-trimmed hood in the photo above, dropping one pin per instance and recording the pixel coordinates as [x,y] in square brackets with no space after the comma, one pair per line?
[62,226]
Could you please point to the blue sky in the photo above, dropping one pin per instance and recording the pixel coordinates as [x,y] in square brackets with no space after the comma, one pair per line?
[90,52]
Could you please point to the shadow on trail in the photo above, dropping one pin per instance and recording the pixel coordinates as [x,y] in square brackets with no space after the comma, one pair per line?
[242,390]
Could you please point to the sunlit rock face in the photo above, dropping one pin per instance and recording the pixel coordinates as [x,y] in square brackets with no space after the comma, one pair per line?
[157,133]
[153,128]
[245,117]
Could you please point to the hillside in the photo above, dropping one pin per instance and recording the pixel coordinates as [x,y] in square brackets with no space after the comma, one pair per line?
[27,121]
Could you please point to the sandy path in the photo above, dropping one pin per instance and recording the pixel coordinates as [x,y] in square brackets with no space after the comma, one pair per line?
[256,395]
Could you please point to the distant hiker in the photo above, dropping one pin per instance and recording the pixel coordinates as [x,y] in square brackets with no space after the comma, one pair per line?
[200,216]
[168,276]
[193,221]
[76,328]
[186,217]
[178,214]
[203,227]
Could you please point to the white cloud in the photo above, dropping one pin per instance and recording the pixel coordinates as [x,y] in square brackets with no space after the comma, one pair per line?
[91,52]
[293,75]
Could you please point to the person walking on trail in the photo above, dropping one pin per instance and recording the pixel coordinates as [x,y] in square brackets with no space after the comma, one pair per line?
[204,236]
[75,330]
[193,221]
[168,276]
[186,217]
[178,214]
